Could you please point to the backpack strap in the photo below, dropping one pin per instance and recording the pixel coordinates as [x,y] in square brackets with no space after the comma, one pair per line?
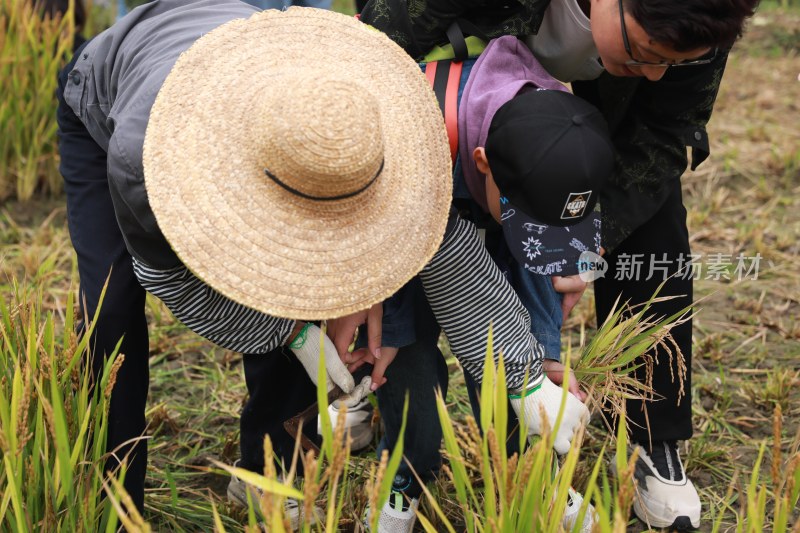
[457,34]
[445,77]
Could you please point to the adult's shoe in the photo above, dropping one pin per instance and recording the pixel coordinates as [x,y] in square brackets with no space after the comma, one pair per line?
[665,496]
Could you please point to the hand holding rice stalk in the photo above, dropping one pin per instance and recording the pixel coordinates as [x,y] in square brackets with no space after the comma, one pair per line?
[608,365]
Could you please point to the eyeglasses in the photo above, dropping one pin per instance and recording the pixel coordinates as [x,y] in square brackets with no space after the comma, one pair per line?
[633,62]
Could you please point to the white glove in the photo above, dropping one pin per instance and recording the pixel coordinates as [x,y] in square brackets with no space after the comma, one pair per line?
[306,348]
[353,398]
[548,395]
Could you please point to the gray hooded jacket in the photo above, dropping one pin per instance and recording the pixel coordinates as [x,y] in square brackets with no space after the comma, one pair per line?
[112,89]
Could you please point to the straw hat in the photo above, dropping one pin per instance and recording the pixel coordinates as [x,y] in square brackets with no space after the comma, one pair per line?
[297,162]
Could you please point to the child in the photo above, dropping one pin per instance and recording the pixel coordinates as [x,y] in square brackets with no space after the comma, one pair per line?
[534,157]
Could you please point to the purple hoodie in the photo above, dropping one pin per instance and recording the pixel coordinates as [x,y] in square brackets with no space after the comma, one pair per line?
[504,69]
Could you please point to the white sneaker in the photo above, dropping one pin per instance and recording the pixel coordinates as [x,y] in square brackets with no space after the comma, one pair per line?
[665,496]
[237,495]
[574,502]
[358,423]
[397,515]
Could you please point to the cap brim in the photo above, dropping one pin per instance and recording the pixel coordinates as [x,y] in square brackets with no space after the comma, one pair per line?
[546,249]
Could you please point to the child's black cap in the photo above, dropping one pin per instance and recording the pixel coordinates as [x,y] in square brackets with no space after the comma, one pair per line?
[550,154]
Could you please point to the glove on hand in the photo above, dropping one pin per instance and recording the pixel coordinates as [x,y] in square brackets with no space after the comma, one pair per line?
[306,348]
[548,395]
[355,397]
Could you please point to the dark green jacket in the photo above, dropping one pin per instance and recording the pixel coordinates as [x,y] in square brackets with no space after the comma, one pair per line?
[652,123]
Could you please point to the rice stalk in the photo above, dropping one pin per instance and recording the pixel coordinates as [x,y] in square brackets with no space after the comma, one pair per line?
[34,46]
[612,363]
[497,493]
[52,423]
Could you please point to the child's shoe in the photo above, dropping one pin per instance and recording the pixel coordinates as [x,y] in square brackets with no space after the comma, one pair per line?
[398,514]
[358,423]
[574,502]
[237,495]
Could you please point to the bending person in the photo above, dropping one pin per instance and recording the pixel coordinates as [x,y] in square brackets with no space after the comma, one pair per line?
[238,211]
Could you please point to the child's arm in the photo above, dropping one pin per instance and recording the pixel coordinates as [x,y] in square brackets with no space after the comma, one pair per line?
[572,287]
[342,330]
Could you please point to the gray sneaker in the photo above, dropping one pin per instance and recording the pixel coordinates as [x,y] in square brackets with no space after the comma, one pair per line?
[665,496]
[237,495]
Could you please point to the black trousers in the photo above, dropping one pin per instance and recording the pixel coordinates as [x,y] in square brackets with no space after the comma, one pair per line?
[419,370]
[663,238]
[277,384]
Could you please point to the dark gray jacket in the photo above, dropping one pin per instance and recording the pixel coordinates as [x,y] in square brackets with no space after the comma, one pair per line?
[112,89]
[652,123]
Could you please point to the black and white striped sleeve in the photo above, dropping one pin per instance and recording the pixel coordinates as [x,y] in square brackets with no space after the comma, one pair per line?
[212,315]
[467,292]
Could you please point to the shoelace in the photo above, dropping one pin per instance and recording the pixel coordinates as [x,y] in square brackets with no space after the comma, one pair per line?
[665,458]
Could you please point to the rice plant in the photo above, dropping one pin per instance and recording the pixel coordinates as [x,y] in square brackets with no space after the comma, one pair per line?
[33,47]
[769,504]
[527,492]
[53,422]
[327,480]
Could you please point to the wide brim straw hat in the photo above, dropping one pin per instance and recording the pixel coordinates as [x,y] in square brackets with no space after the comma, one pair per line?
[297,162]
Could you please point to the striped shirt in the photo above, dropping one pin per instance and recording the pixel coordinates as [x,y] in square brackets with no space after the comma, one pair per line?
[464,288]
[468,293]
[210,314]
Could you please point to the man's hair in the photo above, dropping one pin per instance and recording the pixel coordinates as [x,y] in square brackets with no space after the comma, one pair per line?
[692,24]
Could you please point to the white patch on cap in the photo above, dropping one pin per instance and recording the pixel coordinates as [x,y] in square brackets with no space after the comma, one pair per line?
[532,247]
[531,227]
[576,205]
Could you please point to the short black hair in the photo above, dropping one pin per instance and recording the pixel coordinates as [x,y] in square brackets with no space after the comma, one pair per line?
[59,7]
[691,24]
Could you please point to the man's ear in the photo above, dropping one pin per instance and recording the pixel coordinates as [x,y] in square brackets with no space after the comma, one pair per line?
[479,155]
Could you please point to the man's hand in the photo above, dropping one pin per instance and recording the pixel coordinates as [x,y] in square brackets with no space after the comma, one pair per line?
[572,287]
[544,398]
[342,331]
[306,347]
[555,372]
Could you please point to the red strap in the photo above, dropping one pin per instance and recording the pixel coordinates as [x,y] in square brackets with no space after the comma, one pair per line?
[445,77]
[430,72]
[451,107]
